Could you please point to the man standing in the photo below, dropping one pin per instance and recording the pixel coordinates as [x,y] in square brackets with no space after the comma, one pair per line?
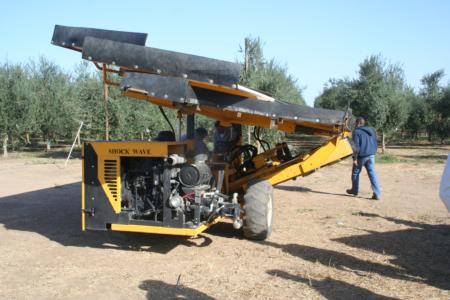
[200,145]
[199,141]
[365,148]
[226,138]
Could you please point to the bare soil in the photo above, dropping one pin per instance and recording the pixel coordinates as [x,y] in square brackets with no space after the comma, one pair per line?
[325,244]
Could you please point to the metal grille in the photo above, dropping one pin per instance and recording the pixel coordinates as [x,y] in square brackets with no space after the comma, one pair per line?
[111,176]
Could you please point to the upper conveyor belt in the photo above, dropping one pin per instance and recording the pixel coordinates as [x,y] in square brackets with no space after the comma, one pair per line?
[190,83]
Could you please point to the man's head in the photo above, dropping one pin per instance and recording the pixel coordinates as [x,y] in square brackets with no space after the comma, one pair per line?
[360,122]
[220,128]
[201,132]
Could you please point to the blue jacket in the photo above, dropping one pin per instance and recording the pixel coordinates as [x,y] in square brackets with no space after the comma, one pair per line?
[365,142]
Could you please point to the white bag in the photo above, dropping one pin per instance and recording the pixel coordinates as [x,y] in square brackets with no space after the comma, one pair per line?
[444,190]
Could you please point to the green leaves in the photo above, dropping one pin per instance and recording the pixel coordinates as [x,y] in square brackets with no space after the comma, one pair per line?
[381,95]
[42,101]
[436,100]
[268,76]
[378,94]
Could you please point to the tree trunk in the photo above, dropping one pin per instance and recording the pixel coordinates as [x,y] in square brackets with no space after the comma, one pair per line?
[48,144]
[5,146]
[246,56]
[259,146]
[27,138]
[429,134]
[11,141]
[142,136]
[383,143]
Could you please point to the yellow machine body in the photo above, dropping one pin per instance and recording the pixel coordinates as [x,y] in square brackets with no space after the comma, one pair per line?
[163,186]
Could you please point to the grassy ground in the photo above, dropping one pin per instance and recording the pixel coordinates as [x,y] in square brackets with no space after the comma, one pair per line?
[41,156]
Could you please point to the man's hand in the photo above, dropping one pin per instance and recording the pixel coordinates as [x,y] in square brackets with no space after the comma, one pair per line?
[355,162]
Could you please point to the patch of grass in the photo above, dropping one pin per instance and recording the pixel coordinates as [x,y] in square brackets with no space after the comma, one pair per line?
[388,159]
[42,161]
[413,159]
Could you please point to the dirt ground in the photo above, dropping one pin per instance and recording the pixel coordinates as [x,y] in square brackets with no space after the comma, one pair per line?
[325,244]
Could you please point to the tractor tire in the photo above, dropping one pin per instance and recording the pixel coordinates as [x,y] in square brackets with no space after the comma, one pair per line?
[258,208]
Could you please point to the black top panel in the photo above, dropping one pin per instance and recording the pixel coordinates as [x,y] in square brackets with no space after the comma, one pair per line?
[162,62]
[174,89]
[179,91]
[73,37]
[272,109]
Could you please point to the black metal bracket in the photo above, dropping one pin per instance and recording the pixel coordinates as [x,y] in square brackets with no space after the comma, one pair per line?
[90,212]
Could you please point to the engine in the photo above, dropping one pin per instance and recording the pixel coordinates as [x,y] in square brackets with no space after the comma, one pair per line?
[173,192]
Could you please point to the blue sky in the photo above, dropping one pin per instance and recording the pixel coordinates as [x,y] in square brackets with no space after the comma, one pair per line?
[317,40]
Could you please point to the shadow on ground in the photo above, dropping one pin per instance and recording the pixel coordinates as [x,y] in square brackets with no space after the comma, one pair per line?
[157,289]
[422,250]
[56,214]
[225,230]
[293,188]
[420,253]
[331,288]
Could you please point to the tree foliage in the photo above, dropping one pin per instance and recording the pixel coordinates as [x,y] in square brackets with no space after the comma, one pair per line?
[436,101]
[269,77]
[380,94]
[42,101]
[39,102]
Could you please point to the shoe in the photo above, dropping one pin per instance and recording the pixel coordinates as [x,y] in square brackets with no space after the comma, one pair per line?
[351,192]
[375,197]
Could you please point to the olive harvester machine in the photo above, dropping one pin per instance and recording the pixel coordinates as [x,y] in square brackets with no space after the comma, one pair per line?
[162,186]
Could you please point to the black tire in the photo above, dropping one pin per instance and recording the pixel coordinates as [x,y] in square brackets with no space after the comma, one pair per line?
[258,207]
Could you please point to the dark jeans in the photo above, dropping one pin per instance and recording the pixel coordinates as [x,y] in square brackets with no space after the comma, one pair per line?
[367,162]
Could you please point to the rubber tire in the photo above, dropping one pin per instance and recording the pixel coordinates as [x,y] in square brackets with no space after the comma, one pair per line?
[259,212]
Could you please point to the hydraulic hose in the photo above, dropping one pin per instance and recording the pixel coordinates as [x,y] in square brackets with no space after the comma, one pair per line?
[166,118]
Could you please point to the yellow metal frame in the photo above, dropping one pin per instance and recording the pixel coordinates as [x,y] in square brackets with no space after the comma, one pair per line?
[227,116]
[333,150]
[106,184]
[164,230]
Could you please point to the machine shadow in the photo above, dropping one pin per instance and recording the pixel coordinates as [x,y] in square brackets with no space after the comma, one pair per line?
[225,230]
[420,253]
[157,289]
[56,214]
[421,250]
[293,188]
[331,288]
